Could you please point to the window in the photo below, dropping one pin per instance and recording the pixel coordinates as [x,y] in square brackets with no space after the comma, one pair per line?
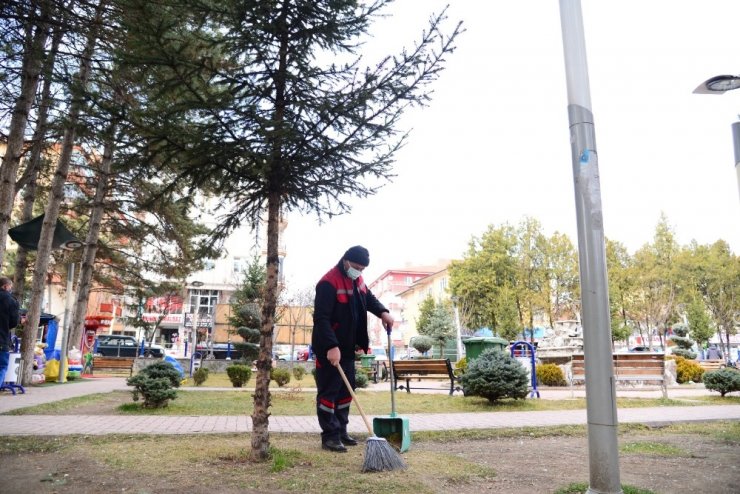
[204,301]
[237,265]
[409,280]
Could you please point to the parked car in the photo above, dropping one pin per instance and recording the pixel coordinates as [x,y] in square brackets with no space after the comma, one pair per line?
[220,351]
[640,349]
[114,345]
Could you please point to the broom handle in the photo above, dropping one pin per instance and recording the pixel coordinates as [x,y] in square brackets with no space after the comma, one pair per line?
[393,385]
[354,397]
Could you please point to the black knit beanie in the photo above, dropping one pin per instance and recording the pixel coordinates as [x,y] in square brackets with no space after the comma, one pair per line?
[358,254]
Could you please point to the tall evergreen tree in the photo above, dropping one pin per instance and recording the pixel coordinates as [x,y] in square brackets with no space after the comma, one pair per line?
[281,122]
[437,323]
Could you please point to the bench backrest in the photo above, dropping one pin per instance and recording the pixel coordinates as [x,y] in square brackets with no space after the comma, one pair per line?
[113,361]
[626,364]
[430,366]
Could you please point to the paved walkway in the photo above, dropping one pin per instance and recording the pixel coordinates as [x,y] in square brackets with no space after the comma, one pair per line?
[109,424]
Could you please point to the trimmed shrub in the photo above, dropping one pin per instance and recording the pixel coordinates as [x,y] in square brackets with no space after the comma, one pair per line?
[200,376]
[361,379]
[461,366]
[280,376]
[723,381]
[550,375]
[239,374]
[298,372]
[422,343]
[495,375]
[155,384]
[688,371]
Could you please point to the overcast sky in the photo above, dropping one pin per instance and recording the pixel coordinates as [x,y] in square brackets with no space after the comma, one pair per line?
[493,145]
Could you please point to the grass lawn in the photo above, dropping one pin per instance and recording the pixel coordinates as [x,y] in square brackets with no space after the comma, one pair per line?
[218,397]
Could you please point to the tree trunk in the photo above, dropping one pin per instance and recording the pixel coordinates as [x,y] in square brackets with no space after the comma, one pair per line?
[91,243]
[261,414]
[262,397]
[28,180]
[31,71]
[56,195]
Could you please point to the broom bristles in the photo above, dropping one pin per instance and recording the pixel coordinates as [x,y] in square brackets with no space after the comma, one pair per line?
[381,457]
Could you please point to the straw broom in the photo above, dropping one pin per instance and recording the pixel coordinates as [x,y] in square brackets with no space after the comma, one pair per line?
[379,454]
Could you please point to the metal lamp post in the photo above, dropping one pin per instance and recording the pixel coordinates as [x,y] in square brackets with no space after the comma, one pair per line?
[457,328]
[720,84]
[601,408]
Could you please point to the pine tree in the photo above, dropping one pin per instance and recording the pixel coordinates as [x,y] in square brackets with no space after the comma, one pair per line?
[279,121]
[246,309]
[681,338]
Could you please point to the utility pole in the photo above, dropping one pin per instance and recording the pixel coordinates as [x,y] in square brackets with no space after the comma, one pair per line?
[601,399]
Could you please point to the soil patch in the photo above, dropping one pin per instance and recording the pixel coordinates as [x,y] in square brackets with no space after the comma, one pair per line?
[525,465]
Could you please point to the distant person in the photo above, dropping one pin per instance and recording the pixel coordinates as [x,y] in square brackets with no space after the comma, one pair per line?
[339,327]
[713,353]
[9,318]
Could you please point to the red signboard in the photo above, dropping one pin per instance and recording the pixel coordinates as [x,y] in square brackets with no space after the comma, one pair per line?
[97,322]
[167,304]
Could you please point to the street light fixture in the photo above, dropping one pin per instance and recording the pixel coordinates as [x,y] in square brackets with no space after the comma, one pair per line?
[720,84]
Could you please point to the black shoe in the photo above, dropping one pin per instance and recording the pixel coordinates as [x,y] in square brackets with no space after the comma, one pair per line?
[347,440]
[333,445]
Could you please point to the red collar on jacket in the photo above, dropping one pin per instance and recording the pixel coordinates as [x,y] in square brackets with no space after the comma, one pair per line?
[339,279]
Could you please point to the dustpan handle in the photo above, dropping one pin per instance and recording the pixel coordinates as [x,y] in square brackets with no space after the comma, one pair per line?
[392,377]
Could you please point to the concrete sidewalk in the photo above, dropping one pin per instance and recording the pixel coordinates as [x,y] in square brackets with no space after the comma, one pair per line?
[109,424]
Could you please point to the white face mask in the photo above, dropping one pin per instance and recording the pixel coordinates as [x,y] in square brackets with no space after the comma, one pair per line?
[353,273]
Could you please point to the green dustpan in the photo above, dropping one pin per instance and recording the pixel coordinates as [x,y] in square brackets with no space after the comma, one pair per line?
[393,428]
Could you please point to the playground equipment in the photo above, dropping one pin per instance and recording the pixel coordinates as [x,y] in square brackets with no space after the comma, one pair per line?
[525,351]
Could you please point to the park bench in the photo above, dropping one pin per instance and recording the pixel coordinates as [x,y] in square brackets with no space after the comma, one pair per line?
[712,365]
[423,369]
[628,367]
[113,364]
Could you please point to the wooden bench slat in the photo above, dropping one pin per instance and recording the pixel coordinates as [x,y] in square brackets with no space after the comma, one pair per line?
[113,363]
[627,367]
[713,364]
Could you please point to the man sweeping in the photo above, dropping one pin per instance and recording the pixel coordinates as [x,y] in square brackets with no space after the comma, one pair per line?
[340,326]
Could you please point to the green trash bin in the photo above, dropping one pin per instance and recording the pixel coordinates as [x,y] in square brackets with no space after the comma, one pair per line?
[478,344]
[366,361]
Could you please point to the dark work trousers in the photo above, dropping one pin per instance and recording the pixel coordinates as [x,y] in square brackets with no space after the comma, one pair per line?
[333,399]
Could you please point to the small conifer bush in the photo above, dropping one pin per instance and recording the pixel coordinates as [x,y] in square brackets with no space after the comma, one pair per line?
[723,381]
[155,384]
[550,375]
[238,374]
[298,372]
[200,376]
[495,375]
[280,376]
[361,379]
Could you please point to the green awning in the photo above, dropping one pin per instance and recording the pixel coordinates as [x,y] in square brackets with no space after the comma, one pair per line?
[27,235]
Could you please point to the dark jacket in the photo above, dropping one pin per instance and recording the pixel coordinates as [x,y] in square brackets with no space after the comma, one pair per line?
[9,318]
[336,320]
